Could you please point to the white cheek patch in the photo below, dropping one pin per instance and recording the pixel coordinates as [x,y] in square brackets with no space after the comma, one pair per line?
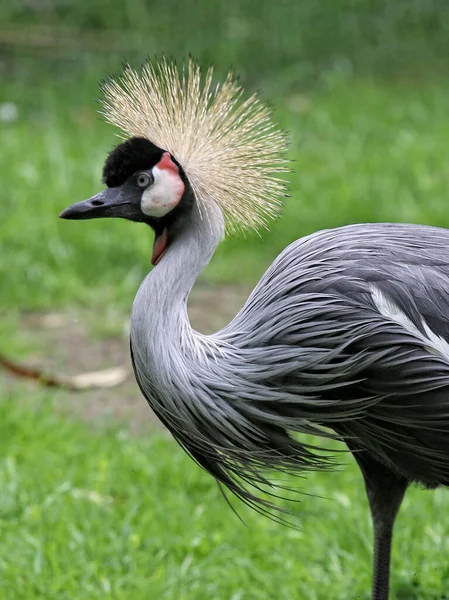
[164,194]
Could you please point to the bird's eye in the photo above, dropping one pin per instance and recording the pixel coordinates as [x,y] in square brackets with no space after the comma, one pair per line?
[144,179]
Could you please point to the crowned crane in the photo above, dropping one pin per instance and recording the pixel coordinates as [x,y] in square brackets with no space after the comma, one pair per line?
[346,332]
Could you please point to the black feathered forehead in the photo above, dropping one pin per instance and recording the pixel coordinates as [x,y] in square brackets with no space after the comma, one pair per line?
[125,159]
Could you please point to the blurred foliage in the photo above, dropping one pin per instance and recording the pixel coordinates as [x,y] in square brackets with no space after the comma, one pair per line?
[297,38]
[359,84]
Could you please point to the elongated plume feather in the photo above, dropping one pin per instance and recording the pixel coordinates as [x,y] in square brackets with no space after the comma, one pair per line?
[229,148]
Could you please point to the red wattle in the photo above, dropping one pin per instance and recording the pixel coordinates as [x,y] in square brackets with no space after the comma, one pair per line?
[160,244]
[167,163]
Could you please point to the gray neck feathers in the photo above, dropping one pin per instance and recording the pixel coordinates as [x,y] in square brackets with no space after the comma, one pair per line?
[159,321]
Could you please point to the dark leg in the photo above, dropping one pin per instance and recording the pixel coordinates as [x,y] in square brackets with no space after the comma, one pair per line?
[385,491]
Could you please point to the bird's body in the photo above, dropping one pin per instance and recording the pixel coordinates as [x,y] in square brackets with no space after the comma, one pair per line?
[346,335]
[347,329]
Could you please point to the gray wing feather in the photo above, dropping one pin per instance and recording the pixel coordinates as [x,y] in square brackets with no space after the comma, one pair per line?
[387,390]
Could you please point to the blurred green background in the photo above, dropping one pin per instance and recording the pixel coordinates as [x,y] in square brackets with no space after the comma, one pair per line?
[89,510]
[360,86]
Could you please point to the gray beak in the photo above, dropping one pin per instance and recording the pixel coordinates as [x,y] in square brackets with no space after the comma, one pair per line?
[111,202]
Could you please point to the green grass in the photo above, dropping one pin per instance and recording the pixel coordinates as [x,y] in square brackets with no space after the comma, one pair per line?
[99,513]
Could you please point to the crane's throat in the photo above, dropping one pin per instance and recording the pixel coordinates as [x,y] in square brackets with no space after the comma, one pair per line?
[159,246]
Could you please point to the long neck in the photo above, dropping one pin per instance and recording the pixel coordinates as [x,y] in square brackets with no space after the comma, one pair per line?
[216,394]
[159,309]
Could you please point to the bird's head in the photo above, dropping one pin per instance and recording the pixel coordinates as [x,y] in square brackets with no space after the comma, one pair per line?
[190,142]
[144,184]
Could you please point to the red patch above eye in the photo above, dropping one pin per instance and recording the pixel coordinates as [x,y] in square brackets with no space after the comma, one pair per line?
[167,163]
